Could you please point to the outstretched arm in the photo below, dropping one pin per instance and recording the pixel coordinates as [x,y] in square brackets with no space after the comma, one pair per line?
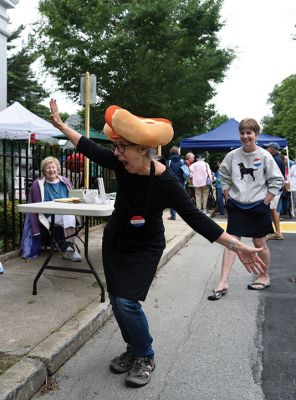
[56,120]
[247,255]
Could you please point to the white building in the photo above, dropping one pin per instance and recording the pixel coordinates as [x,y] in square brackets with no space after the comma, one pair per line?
[4,6]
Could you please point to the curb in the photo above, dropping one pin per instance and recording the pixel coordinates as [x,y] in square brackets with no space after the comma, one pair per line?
[61,345]
[25,378]
[22,380]
[11,254]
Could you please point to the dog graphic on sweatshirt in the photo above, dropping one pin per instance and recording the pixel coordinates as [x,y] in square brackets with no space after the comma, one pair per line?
[246,171]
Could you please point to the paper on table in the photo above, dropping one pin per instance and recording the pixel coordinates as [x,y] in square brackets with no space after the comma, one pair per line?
[69,200]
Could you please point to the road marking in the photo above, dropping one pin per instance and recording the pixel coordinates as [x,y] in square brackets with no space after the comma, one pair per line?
[286,227]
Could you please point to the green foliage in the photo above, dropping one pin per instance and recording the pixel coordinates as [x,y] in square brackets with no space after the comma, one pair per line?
[217,120]
[6,227]
[283,119]
[22,86]
[7,182]
[64,115]
[158,58]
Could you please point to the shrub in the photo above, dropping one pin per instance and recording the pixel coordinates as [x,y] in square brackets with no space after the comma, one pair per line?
[6,227]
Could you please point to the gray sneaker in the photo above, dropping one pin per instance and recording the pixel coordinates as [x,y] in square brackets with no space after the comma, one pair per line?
[71,254]
[140,373]
[122,363]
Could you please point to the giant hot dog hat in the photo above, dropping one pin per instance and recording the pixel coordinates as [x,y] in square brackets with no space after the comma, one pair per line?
[120,123]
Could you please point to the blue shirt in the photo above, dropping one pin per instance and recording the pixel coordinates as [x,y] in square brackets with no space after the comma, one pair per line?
[218,183]
[55,191]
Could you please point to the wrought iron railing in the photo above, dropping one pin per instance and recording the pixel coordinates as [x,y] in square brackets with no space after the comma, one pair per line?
[20,165]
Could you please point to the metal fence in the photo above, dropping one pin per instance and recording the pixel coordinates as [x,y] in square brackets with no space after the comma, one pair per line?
[20,165]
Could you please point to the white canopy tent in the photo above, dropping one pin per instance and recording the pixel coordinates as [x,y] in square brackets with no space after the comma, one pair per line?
[16,122]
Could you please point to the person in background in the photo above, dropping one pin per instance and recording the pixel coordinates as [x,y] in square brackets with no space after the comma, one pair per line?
[218,186]
[133,239]
[200,172]
[276,204]
[250,179]
[189,159]
[285,210]
[49,187]
[293,185]
[175,163]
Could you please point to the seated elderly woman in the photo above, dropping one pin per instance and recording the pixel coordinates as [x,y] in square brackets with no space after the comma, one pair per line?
[49,187]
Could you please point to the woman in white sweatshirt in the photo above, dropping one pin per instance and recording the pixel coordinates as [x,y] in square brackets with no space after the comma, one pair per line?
[250,179]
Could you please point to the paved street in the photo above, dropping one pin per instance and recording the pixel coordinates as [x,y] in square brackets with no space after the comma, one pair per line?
[278,327]
[241,347]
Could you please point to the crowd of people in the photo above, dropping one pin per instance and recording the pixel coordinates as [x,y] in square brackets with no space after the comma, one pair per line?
[200,187]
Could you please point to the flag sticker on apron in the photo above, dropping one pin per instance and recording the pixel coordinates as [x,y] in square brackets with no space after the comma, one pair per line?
[137,221]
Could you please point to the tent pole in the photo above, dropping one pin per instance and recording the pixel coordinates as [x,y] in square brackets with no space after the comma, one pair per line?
[288,178]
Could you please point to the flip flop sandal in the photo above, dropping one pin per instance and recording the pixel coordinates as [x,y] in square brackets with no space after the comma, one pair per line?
[217,294]
[261,286]
[274,236]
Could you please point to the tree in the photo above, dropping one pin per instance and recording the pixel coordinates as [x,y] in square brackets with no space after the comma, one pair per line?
[217,120]
[22,86]
[283,119]
[158,58]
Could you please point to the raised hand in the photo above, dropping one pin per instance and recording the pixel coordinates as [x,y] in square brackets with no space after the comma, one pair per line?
[55,116]
[56,120]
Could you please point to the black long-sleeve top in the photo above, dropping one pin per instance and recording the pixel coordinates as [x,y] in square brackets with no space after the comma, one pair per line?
[126,244]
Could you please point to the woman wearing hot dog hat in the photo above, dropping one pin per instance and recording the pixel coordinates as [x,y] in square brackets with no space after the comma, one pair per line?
[133,240]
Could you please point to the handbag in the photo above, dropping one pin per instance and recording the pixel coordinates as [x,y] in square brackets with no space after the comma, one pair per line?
[211,204]
[185,172]
[209,181]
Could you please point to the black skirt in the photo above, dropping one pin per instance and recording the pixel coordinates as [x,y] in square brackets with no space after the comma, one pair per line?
[254,222]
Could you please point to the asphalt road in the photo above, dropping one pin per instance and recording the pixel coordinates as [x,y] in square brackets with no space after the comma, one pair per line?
[279,323]
[241,347]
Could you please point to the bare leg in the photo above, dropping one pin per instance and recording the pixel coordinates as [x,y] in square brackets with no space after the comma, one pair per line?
[276,220]
[265,257]
[227,263]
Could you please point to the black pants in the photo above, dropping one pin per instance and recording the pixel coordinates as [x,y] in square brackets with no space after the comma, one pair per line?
[59,237]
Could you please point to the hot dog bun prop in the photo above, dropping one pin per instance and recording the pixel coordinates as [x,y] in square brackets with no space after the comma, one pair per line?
[150,132]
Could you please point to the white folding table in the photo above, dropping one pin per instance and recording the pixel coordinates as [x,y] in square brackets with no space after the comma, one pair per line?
[82,209]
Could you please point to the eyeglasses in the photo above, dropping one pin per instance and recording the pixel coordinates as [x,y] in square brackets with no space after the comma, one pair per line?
[121,147]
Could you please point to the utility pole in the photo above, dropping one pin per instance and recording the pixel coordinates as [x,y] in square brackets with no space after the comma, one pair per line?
[87,114]
[87,97]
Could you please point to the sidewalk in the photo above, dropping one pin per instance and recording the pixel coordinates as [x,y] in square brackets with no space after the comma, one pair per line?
[39,333]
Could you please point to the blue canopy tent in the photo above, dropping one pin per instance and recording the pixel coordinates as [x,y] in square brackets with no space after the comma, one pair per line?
[225,137]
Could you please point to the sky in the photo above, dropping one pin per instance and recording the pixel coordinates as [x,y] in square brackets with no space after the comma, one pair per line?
[259,31]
